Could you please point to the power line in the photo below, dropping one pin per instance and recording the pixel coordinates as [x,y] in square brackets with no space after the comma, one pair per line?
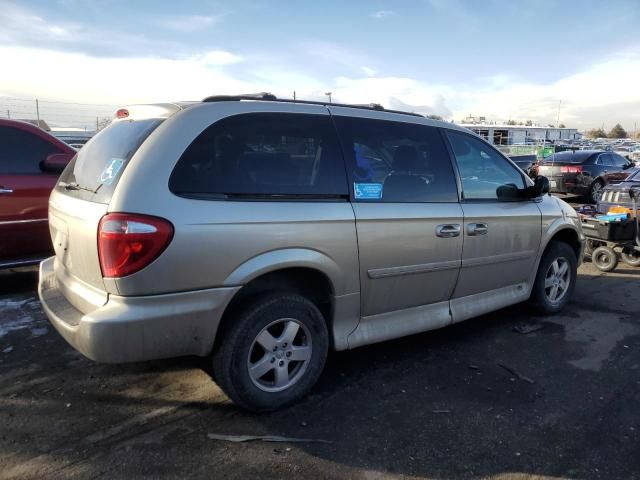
[25,99]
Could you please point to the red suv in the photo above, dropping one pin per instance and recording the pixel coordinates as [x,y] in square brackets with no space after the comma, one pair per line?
[30,162]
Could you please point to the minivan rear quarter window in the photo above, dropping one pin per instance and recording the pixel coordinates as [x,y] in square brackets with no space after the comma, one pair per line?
[263,156]
[98,166]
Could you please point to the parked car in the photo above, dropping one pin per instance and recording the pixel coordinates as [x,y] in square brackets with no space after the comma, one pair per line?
[263,233]
[584,172]
[527,163]
[30,162]
[618,194]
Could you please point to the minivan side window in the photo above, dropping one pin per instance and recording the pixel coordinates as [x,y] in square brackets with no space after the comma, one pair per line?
[482,169]
[263,155]
[396,161]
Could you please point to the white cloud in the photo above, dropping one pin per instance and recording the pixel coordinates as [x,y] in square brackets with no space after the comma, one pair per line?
[19,24]
[600,93]
[218,57]
[336,54]
[380,14]
[116,80]
[368,71]
[58,31]
[603,92]
[188,23]
[393,92]
[22,26]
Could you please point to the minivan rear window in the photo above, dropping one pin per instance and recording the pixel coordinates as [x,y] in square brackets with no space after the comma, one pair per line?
[96,169]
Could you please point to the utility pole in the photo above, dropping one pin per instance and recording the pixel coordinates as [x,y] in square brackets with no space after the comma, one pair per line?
[38,111]
[9,114]
[96,124]
[558,122]
[294,95]
[328,94]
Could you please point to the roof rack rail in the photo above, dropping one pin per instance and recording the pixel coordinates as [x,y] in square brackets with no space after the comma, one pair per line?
[243,96]
[270,97]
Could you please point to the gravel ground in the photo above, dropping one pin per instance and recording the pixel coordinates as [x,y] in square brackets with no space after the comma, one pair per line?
[434,405]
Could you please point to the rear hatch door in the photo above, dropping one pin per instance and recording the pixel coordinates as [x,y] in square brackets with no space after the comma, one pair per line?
[81,198]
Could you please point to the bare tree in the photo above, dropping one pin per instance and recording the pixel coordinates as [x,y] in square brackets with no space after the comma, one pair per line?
[102,123]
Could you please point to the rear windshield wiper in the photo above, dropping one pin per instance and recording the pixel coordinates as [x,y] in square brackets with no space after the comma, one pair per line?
[77,186]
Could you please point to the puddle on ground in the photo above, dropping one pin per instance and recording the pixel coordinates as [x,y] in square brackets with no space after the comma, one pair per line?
[598,333]
[15,324]
[20,315]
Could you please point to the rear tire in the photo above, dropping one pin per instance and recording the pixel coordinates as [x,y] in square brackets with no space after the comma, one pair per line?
[595,191]
[631,257]
[556,278]
[272,352]
[605,259]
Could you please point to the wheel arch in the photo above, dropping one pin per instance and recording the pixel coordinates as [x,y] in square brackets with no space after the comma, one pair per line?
[569,236]
[297,271]
[563,232]
[288,258]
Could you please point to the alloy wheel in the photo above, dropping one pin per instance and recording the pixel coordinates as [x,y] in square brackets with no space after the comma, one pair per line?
[596,191]
[557,280]
[279,355]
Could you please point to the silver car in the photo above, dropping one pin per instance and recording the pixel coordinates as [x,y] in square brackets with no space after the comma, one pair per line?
[262,233]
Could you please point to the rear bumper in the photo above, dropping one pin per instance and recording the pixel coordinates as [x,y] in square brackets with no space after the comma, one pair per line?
[131,329]
[22,262]
[564,186]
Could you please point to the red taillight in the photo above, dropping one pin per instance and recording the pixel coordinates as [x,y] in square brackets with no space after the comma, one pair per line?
[129,242]
[122,113]
[571,169]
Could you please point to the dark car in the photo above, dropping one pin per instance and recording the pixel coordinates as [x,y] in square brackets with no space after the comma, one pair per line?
[615,195]
[584,172]
[30,162]
[527,163]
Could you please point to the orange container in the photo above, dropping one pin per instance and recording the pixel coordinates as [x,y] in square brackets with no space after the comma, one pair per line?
[620,209]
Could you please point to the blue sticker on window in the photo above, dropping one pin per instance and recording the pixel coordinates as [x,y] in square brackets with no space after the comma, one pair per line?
[367,191]
[111,171]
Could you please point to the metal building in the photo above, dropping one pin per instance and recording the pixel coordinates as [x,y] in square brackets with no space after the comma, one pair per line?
[522,135]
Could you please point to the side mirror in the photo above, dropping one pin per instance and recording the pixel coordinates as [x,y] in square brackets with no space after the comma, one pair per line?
[634,193]
[508,193]
[56,162]
[540,186]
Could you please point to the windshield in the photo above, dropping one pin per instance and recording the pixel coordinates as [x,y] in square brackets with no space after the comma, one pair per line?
[95,170]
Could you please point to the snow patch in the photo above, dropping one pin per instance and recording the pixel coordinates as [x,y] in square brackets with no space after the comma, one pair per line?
[18,324]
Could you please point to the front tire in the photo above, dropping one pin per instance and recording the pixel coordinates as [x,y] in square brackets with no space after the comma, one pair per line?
[556,278]
[272,352]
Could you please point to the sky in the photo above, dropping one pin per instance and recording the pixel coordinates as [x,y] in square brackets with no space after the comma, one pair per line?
[517,59]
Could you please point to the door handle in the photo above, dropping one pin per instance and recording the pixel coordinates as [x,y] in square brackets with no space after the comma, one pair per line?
[448,231]
[474,229]
[5,190]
